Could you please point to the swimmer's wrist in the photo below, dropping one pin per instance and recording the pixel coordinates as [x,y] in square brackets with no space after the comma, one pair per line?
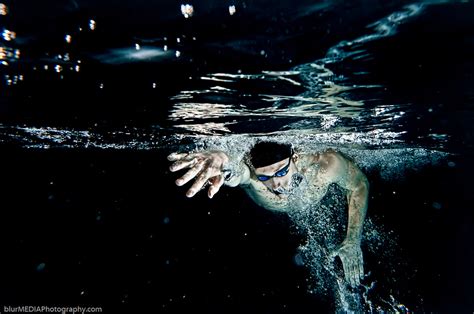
[228,174]
[234,174]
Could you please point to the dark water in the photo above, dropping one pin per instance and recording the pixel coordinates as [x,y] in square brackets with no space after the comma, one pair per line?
[95,95]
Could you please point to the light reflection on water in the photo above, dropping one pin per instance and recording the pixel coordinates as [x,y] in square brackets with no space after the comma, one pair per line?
[307,98]
[326,103]
[327,97]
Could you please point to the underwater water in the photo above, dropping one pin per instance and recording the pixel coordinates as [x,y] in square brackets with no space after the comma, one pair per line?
[95,94]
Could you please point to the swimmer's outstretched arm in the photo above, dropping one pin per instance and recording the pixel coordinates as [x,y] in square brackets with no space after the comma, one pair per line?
[211,168]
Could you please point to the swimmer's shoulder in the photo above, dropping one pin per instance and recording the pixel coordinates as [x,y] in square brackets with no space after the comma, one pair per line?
[319,157]
[326,159]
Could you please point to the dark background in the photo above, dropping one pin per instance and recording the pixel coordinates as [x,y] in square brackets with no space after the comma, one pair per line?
[111,229]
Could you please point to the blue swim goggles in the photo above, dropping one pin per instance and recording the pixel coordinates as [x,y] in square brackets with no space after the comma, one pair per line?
[280,173]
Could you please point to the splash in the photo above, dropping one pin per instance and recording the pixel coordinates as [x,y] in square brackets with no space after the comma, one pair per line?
[323,226]
[32,137]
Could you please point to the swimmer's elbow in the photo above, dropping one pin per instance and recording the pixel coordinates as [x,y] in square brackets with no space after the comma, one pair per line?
[362,186]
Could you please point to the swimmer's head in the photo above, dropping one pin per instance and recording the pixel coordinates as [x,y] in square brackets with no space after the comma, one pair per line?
[273,164]
[266,153]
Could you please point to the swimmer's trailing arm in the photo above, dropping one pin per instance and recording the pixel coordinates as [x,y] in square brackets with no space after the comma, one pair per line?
[350,251]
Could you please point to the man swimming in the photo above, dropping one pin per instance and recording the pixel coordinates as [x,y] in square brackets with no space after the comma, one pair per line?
[272,172]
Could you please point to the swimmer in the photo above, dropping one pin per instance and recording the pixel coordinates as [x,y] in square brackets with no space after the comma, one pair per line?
[271,172]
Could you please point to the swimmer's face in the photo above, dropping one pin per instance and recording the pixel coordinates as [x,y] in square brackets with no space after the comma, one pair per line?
[277,177]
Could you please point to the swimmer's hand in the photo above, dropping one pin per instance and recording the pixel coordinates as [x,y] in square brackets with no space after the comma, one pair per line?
[350,254]
[205,167]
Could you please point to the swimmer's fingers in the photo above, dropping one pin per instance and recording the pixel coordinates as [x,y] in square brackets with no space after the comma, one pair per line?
[357,265]
[346,268]
[349,268]
[177,156]
[190,174]
[355,280]
[352,262]
[361,264]
[349,271]
[201,180]
[216,183]
[183,163]
[356,268]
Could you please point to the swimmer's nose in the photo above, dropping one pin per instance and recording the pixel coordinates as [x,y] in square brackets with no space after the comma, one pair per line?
[285,184]
[275,183]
